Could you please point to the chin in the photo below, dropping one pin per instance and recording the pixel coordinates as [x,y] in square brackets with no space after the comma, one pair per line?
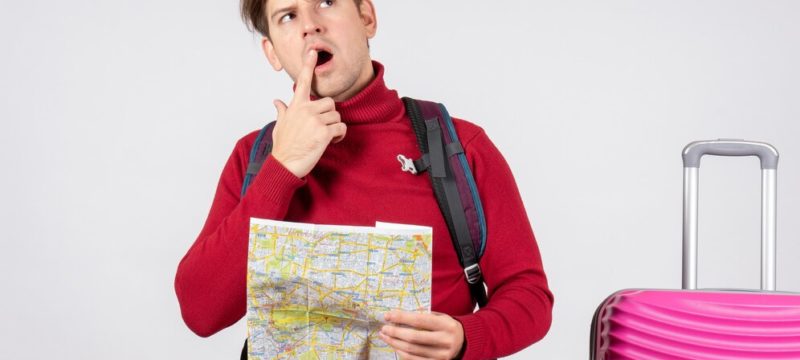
[329,91]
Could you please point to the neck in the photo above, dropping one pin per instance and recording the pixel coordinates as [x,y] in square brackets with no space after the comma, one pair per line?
[373,103]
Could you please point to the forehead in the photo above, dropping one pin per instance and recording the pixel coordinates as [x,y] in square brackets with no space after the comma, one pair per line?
[272,5]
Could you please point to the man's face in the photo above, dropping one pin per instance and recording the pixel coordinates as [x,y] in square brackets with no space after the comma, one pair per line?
[337,29]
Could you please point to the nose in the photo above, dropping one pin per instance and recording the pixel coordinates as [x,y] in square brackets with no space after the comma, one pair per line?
[312,25]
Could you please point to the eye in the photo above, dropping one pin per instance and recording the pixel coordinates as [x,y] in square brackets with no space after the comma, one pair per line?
[326,3]
[286,17]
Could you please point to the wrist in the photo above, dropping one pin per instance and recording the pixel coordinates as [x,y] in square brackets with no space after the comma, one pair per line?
[289,165]
[460,353]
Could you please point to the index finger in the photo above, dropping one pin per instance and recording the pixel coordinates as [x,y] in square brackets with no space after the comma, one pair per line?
[422,321]
[303,88]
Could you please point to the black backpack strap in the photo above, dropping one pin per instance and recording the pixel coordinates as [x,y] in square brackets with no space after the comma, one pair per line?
[425,119]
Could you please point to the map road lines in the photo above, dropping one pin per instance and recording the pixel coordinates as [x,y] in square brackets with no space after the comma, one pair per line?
[319,291]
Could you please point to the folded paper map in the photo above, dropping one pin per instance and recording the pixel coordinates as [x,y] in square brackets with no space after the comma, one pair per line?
[320,291]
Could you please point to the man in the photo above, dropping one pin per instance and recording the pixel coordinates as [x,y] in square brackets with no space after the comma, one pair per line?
[334,161]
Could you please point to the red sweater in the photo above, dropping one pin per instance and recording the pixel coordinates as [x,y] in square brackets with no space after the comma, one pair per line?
[357,182]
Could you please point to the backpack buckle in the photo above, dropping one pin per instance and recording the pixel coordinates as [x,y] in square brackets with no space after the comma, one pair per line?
[407,164]
[473,273]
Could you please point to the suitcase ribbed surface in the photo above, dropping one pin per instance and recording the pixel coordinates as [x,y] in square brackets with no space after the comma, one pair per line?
[698,325]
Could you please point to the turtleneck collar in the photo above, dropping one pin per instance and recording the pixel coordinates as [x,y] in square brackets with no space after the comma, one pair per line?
[375,103]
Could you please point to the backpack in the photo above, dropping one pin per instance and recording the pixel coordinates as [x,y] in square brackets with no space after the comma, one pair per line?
[453,184]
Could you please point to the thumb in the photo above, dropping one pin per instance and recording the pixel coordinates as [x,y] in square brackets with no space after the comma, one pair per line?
[280,106]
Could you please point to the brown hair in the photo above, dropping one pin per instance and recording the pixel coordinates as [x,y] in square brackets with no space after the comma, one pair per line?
[254,15]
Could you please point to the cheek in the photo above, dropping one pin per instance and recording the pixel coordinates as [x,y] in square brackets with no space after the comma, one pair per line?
[289,57]
[358,44]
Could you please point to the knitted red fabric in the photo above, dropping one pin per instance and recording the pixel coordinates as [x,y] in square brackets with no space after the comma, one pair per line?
[357,182]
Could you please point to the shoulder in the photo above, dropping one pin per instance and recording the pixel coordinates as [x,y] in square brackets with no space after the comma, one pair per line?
[240,156]
[468,132]
[247,141]
[482,153]
[465,129]
[243,146]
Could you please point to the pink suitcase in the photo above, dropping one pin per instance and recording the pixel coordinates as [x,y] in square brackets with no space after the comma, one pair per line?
[705,324]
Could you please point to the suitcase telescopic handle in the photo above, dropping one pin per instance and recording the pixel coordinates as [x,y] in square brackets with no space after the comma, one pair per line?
[768,155]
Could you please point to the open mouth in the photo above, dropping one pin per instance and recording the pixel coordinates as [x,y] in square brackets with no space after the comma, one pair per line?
[323,57]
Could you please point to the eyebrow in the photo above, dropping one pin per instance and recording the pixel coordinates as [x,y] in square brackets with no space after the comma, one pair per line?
[282,10]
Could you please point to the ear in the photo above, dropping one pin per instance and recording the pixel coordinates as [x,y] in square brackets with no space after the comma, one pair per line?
[269,52]
[367,13]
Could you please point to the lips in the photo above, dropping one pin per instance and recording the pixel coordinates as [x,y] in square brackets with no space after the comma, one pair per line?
[324,57]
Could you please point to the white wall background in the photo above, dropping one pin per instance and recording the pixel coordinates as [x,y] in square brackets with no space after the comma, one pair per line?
[117,117]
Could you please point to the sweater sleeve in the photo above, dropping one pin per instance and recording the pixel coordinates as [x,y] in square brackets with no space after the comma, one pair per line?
[519,309]
[210,282]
